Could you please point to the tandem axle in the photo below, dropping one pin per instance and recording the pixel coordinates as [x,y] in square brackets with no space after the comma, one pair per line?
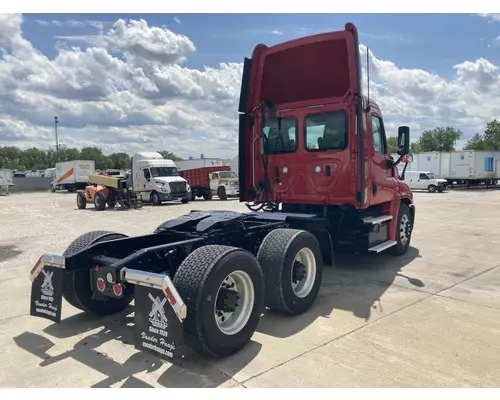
[201,280]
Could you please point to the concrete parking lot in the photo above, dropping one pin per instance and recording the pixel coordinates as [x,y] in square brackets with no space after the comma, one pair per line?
[428,319]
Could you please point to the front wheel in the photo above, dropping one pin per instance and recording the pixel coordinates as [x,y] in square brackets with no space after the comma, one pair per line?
[221,193]
[155,198]
[404,230]
[100,201]
[223,288]
[81,200]
[431,188]
[185,201]
[293,269]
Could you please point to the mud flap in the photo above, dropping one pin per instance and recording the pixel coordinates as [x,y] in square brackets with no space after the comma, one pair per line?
[46,293]
[158,329]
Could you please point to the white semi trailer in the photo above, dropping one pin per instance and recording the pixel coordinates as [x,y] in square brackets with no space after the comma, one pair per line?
[470,167]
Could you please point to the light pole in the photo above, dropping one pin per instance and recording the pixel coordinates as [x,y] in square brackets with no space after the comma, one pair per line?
[56,121]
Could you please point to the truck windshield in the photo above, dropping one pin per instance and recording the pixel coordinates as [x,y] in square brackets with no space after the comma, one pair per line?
[326,131]
[280,135]
[157,172]
[227,175]
[432,175]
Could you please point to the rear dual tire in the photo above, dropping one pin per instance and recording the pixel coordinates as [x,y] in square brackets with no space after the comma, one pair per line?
[223,289]
[77,288]
[293,270]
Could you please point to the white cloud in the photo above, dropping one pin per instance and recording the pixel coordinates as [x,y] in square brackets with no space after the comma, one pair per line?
[177,20]
[277,32]
[127,90]
[490,16]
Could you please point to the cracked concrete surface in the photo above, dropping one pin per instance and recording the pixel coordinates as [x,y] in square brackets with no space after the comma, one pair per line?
[428,319]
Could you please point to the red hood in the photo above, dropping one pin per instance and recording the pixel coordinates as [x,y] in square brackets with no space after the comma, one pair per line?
[287,73]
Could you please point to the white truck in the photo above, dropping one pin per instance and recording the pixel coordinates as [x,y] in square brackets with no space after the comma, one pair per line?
[158,179]
[6,180]
[470,167]
[72,175]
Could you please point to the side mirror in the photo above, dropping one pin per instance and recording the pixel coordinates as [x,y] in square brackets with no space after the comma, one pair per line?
[403,140]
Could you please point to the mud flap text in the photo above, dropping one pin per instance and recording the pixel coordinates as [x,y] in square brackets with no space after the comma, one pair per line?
[46,294]
[157,328]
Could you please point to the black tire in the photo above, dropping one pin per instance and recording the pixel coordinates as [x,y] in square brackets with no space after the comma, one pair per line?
[207,196]
[198,280]
[401,248]
[77,286]
[221,193]
[155,198]
[111,202]
[81,201]
[431,188]
[193,196]
[276,256]
[100,201]
[185,201]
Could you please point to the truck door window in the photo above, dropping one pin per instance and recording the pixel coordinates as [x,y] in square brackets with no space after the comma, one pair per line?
[326,131]
[280,135]
[215,176]
[423,176]
[378,135]
[147,175]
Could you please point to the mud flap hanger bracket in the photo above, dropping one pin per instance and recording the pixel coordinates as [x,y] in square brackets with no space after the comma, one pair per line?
[157,281]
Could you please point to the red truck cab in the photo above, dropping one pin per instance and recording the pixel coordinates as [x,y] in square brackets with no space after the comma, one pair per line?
[310,141]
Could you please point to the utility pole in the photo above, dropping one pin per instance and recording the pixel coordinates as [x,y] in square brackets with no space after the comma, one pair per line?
[56,121]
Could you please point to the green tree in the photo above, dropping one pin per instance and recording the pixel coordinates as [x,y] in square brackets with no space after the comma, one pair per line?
[438,139]
[476,142]
[169,155]
[119,160]
[392,142]
[415,147]
[491,135]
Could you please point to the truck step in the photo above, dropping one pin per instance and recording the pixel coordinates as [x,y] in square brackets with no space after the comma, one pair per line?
[382,246]
[377,220]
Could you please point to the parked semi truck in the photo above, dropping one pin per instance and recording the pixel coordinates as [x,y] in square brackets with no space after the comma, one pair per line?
[72,175]
[158,179]
[317,176]
[470,167]
[209,181]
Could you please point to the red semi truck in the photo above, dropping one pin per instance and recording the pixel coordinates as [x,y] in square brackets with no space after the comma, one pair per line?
[208,181]
[315,170]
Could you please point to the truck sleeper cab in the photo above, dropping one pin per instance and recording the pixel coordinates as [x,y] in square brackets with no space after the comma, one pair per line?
[316,174]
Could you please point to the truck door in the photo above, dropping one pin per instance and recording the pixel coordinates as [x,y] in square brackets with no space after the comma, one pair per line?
[214,181]
[382,180]
[423,181]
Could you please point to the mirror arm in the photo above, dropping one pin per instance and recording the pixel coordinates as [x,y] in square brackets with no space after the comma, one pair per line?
[393,164]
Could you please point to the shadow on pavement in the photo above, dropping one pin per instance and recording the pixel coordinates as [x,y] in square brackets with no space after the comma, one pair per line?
[8,252]
[356,284]
[192,373]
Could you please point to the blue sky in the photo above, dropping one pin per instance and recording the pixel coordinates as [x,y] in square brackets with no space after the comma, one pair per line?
[127,91]
[434,42]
